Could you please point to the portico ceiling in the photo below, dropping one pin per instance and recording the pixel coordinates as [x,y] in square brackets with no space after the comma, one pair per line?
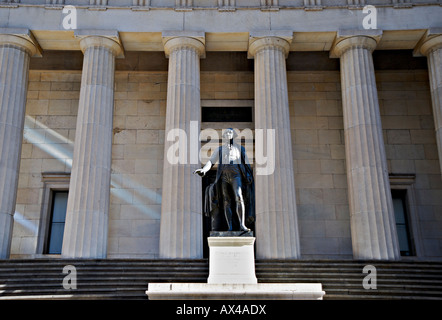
[302,41]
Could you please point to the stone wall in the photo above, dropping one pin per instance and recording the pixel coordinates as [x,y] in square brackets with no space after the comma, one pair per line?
[410,142]
[319,156]
[137,164]
[317,140]
[51,114]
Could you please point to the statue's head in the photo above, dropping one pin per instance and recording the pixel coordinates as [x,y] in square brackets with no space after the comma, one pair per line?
[229,133]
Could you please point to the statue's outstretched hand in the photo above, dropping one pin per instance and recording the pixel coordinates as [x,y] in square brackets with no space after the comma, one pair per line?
[200,172]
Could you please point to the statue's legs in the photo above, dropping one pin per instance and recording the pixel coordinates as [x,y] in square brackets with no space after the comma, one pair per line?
[231,182]
[225,188]
[240,207]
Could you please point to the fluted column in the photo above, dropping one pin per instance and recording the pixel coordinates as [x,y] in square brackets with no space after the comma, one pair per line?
[15,53]
[86,225]
[372,220]
[276,225]
[432,48]
[181,205]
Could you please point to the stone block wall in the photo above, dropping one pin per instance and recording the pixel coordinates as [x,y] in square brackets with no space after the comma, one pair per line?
[319,155]
[227,85]
[319,161]
[48,144]
[318,151]
[137,164]
[410,142]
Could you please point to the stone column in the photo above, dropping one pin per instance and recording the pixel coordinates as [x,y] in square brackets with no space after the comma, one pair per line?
[86,225]
[372,220]
[276,224]
[181,205]
[16,48]
[432,48]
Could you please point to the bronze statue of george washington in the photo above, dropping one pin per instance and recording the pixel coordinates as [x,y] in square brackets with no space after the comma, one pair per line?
[233,189]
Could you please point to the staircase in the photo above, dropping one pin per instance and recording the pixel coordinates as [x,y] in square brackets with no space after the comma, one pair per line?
[342,279]
[129,278]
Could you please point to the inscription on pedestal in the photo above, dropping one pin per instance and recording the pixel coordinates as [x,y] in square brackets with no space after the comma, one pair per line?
[231,259]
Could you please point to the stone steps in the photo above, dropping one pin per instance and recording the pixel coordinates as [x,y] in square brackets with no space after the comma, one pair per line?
[128,278]
[343,279]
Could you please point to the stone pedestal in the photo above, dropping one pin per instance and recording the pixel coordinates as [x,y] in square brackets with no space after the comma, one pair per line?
[231,260]
[232,276]
[260,291]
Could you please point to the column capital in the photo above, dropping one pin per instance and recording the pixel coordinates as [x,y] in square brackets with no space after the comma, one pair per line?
[22,38]
[347,39]
[101,38]
[259,40]
[430,41]
[173,40]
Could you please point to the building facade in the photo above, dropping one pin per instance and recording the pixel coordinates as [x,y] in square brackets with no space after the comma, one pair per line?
[90,96]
